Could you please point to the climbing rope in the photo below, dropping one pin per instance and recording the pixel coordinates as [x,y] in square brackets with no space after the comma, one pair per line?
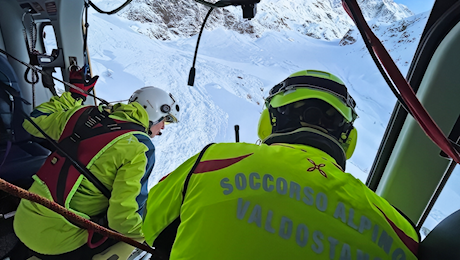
[70,216]
[31,44]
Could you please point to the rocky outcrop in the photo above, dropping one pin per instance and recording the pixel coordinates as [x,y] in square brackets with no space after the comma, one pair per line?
[399,32]
[321,19]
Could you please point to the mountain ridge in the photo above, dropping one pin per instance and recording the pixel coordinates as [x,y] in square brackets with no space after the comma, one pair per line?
[320,19]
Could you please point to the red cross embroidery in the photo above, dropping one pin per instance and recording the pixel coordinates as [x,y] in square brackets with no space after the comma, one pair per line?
[317,167]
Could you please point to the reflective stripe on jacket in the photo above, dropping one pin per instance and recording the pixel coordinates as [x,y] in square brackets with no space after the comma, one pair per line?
[120,166]
[282,201]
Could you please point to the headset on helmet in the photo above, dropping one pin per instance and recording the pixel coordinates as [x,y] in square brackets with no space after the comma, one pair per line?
[303,87]
[158,104]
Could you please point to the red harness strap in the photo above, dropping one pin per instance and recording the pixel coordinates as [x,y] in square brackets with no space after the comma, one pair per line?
[420,114]
[82,139]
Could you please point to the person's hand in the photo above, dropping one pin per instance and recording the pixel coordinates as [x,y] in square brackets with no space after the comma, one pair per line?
[76,78]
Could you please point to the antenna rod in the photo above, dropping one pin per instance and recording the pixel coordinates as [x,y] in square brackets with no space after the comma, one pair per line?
[237,133]
[191,75]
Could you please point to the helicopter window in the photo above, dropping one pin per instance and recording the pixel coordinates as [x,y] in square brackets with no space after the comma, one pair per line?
[49,39]
[50,46]
[5,115]
[402,49]
[447,203]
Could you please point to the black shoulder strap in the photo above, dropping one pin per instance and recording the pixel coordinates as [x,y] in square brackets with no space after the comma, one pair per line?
[166,238]
[187,180]
[82,169]
[410,221]
[83,130]
[15,107]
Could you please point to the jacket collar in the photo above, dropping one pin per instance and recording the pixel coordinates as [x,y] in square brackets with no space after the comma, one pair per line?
[311,137]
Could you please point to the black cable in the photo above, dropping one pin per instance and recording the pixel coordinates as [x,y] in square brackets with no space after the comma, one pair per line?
[34,76]
[191,76]
[436,194]
[30,48]
[82,169]
[85,43]
[63,82]
[375,58]
[110,12]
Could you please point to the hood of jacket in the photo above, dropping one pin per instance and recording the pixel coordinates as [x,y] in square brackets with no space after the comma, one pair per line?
[132,112]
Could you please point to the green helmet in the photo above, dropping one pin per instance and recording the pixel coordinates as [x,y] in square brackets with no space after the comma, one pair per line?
[311,88]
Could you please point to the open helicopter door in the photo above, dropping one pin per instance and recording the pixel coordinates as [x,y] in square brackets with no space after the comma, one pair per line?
[409,170]
[22,35]
[17,17]
[22,26]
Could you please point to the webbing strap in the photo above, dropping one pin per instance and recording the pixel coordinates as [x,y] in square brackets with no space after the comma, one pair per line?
[70,143]
[166,238]
[84,127]
[82,169]
[61,182]
[107,125]
[417,110]
[187,180]
[83,130]
[7,151]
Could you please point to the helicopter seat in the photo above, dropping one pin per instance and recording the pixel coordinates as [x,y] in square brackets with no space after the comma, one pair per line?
[442,242]
[20,155]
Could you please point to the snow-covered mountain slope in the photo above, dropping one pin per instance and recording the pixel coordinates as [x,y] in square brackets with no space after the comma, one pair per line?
[320,19]
[234,73]
[397,37]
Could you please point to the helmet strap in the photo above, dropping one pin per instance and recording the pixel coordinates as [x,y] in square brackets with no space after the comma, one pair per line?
[148,129]
[156,122]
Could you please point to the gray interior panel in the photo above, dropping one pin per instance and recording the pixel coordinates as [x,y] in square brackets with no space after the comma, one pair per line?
[415,167]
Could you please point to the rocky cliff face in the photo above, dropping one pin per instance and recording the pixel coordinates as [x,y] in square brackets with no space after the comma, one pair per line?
[403,31]
[400,38]
[321,19]
[384,11]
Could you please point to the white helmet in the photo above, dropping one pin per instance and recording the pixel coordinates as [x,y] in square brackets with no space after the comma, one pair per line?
[158,104]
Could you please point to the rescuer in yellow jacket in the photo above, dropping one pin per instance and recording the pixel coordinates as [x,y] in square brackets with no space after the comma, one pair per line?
[121,158]
[288,198]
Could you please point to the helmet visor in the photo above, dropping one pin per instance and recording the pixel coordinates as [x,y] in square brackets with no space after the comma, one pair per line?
[172,110]
[169,119]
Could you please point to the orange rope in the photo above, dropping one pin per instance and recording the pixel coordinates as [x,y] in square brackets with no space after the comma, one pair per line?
[70,216]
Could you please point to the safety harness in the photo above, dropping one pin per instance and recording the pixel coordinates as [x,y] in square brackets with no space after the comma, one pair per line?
[86,133]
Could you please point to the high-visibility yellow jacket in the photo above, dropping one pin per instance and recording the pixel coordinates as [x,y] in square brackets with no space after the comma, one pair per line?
[283,201]
[123,166]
